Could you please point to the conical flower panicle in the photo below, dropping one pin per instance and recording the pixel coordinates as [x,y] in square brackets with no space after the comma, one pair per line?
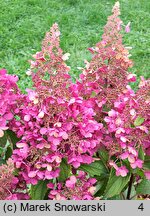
[50,73]
[112,37]
[106,74]
[52,40]
[64,124]
[113,27]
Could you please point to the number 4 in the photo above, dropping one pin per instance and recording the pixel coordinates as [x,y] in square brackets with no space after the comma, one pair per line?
[141,207]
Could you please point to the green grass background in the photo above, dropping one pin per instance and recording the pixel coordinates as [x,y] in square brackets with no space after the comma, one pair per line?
[23,24]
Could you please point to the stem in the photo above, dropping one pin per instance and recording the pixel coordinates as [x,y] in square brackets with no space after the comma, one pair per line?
[130,187]
[123,196]
[133,196]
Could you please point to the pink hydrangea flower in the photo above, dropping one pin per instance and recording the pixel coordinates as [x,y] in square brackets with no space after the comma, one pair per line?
[127,28]
[122,171]
[137,163]
[78,187]
[71,182]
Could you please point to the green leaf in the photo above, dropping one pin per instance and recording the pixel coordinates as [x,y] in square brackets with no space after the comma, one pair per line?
[143,187]
[39,190]
[1,151]
[117,197]
[139,172]
[8,153]
[103,153]
[100,187]
[3,140]
[93,94]
[138,121]
[16,172]
[96,168]
[115,184]
[17,117]
[147,157]
[65,171]
[132,193]
[106,61]
[106,108]
[13,139]
[141,153]
[2,161]
[146,164]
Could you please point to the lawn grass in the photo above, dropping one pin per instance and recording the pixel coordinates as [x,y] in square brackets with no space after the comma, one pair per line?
[23,24]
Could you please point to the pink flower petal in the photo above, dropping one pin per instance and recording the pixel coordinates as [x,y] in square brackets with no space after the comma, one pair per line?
[41,114]
[21,145]
[64,135]
[8,116]
[127,28]
[124,155]
[1,133]
[147,174]
[122,171]
[56,141]
[32,174]
[43,131]
[131,77]
[71,183]
[27,118]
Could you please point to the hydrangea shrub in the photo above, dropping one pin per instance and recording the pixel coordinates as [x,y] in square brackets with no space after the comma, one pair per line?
[86,140]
